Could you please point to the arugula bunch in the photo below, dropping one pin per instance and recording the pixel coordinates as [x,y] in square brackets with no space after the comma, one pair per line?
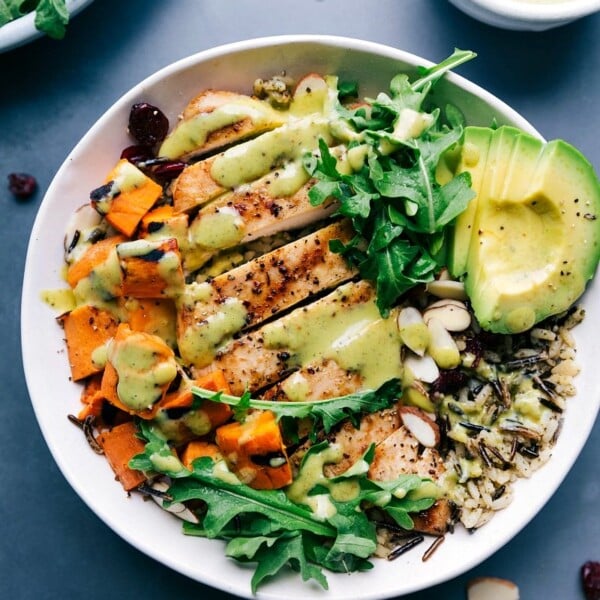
[398,209]
[265,527]
[51,16]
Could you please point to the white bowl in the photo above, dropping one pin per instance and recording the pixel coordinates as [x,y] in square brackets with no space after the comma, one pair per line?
[145,526]
[23,30]
[527,15]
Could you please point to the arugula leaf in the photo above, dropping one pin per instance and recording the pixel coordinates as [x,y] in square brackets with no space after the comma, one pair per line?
[226,500]
[430,75]
[327,412]
[272,556]
[394,201]
[157,455]
[52,17]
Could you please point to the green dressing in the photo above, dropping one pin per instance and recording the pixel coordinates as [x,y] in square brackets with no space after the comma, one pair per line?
[62,300]
[142,374]
[166,463]
[216,229]
[214,326]
[192,133]
[311,475]
[357,338]
[287,181]
[250,160]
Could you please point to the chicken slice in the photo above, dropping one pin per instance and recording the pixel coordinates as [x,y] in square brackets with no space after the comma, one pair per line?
[215,119]
[250,363]
[400,453]
[397,453]
[274,203]
[257,290]
[319,381]
[246,162]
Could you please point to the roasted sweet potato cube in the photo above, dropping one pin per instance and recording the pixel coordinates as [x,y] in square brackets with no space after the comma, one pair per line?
[97,256]
[255,452]
[151,269]
[120,445]
[86,329]
[126,197]
[153,357]
[154,315]
[197,449]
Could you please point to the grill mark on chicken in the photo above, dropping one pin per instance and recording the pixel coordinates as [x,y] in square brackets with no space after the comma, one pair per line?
[264,214]
[248,364]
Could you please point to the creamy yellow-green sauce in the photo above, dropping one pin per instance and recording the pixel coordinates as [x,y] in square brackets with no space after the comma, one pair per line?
[142,374]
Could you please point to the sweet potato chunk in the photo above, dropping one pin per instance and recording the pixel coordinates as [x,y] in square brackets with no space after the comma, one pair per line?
[86,328]
[151,269]
[254,450]
[120,445]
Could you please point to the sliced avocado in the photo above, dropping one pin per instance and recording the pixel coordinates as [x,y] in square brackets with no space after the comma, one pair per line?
[494,175]
[473,159]
[526,153]
[538,235]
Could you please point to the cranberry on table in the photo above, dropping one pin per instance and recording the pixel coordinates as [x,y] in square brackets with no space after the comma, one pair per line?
[22,185]
[590,575]
[147,124]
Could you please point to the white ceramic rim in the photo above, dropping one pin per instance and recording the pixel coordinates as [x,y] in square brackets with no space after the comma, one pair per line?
[538,11]
[366,586]
[23,30]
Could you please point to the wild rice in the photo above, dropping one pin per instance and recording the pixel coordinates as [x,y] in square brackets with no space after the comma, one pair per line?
[501,444]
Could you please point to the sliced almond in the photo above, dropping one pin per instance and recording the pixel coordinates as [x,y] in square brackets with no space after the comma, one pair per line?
[421,426]
[453,314]
[492,588]
[447,288]
[422,368]
[415,394]
[442,347]
[413,330]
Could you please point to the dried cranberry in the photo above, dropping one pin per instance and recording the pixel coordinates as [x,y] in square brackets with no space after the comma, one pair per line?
[147,124]
[590,575]
[22,185]
[137,153]
[450,380]
[475,345]
[168,170]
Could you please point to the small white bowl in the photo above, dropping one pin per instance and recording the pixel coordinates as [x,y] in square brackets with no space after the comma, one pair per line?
[23,30]
[527,15]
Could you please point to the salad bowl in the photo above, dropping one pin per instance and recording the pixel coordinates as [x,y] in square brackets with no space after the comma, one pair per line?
[54,396]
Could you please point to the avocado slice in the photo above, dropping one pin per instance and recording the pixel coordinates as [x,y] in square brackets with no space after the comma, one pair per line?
[473,159]
[536,240]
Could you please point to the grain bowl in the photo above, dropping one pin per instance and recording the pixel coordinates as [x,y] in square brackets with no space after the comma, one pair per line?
[157,533]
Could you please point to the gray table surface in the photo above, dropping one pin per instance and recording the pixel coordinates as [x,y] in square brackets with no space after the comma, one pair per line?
[51,544]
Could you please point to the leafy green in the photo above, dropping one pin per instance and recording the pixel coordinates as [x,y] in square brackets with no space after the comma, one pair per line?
[398,209]
[51,16]
[268,528]
[328,413]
